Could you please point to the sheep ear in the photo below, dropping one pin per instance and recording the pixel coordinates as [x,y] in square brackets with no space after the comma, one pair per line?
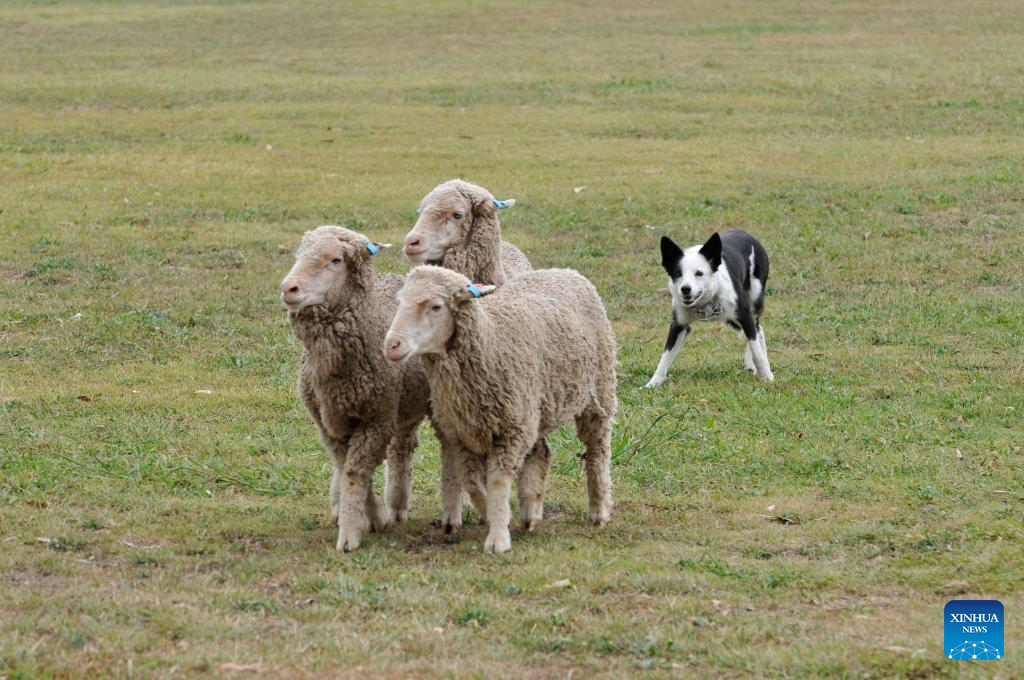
[712,251]
[484,206]
[485,288]
[472,292]
[374,247]
[481,200]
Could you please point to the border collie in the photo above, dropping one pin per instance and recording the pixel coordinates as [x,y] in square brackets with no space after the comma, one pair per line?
[724,279]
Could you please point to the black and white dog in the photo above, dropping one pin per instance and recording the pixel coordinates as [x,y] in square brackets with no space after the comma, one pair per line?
[723,279]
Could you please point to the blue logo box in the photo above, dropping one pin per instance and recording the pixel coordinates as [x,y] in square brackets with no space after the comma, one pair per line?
[974,630]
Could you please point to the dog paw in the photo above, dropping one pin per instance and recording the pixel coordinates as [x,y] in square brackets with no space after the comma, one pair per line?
[654,382]
[768,377]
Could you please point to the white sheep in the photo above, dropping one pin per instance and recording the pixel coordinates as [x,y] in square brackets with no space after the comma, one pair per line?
[364,406]
[506,370]
[458,228]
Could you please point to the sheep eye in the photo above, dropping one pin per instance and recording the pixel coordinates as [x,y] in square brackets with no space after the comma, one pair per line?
[699,274]
[336,260]
[436,308]
[456,216]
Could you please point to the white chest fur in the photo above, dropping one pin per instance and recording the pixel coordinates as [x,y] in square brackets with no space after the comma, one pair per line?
[720,307]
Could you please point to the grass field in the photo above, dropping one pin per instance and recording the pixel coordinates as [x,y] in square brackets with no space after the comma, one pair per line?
[162,491]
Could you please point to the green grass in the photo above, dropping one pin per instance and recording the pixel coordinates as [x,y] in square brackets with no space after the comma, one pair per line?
[159,160]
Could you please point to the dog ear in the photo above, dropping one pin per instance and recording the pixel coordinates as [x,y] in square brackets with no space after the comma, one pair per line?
[712,251]
[670,256]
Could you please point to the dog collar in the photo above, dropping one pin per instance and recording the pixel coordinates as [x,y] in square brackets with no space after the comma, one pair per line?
[709,311]
[473,290]
[372,248]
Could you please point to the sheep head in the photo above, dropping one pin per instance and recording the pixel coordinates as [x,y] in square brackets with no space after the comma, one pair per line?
[427,306]
[330,264]
[446,218]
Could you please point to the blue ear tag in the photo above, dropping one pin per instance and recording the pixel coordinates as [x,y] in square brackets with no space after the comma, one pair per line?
[501,205]
[474,290]
[372,248]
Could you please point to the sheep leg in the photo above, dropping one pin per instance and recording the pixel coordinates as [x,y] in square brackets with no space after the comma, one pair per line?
[376,515]
[451,492]
[398,484]
[499,509]
[337,446]
[365,452]
[335,494]
[473,475]
[531,484]
[451,487]
[594,428]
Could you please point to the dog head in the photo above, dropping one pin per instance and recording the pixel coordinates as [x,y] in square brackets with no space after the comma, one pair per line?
[691,272]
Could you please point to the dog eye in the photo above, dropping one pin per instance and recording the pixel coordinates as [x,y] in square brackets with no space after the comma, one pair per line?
[699,274]
[456,216]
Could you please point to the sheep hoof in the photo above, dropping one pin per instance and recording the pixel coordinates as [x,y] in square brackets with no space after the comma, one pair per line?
[348,540]
[599,518]
[498,542]
[376,518]
[399,515]
[452,521]
[530,524]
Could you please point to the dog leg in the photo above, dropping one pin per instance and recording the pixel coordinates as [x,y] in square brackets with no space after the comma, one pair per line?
[748,361]
[676,336]
[756,347]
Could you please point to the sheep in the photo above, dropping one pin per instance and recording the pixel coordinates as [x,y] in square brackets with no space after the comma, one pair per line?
[506,370]
[458,228]
[364,406]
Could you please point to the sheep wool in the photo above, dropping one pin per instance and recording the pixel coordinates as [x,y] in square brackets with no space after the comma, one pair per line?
[476,250]
[364,406]
[507,369]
